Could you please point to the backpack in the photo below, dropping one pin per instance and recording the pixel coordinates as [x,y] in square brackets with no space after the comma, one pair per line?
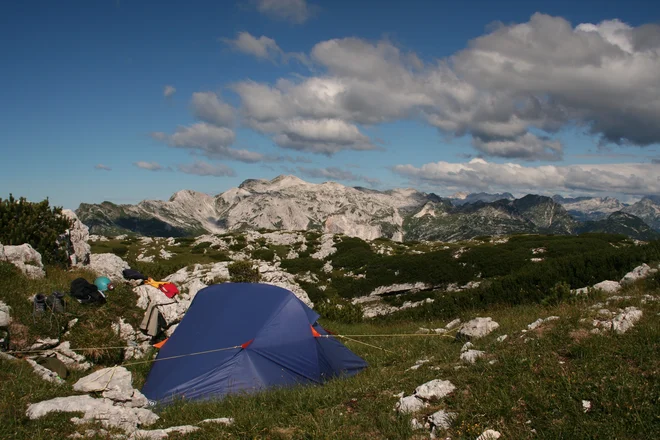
[86,292]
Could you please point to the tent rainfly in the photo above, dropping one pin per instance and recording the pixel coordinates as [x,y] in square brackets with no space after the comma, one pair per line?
[242,338]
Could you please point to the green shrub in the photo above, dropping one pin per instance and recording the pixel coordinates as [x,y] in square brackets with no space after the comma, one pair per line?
[218,256]
[119,250]
[302,265]
[263,254]
[558,293]
[237,246]
[242,272]
[159,269]
[340,310]
[37,224]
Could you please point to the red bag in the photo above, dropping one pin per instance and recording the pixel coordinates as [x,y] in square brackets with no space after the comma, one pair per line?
[168,289]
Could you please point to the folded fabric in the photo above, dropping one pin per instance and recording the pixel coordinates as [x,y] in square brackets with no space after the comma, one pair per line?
[132,274]
[153,322]
[168,289]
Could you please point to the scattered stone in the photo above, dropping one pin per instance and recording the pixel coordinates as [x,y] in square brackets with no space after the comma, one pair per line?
[423,331]
[636,274]
[103,410]
[418,364]
[453,324]
[626,320]
[440,331]
[45,373]
[466,346]
[435,388]
[410,404]
[502,338]
[489,434]
[608,286]
[416,425]
[442,419]
[477,328]
[471,356]
[157,434]
[621,323]
[540,321]
[44,344]
[327,247]
[25,258]
[586,405]
[493,362]
[220,421]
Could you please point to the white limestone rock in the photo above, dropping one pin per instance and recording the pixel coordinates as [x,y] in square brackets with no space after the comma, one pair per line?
[636,274]
[477,328]
[410,404]
[25,258]
[442,419]
[220,421]
[540,321]
[270,274]
[608,286]
[109,265]
[45,373]
[471,356]
[157,434]
[77,239]
[466,347]
[502,338]
[453,324]
[435,388]
[489,434]
[5,315]
[327,247]
[625,320]
[44,344]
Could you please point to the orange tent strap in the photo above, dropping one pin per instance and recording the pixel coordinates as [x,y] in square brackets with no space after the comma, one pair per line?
[161,343]
[314,332]
[245,344]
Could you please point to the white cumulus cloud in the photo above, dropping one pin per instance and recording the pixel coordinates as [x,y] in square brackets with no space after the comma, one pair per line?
[206,106]
[480,175]
[151,166]
[169,91]
[102,167]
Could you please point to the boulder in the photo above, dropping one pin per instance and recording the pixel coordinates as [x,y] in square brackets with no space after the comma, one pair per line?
[452,324]
[636,274]
[477,328]
[442,419]
[115,379]
[273,275]
[608,286]
[109,265]
[435,388]
[25,258]
[5,315]
[410,404]
[77,239]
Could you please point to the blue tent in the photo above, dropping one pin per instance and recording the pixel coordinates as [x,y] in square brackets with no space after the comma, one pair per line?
[243,337]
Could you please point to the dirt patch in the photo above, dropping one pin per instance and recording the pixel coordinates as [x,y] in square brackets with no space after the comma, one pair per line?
[18,336]
[579,335]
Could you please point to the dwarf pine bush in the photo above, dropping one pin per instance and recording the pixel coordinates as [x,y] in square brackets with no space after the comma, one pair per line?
[37,224]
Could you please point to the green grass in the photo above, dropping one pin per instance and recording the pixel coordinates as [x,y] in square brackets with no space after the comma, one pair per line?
[541,380]
[538,381]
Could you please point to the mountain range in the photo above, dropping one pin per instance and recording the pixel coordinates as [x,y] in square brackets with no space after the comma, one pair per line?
[289,203]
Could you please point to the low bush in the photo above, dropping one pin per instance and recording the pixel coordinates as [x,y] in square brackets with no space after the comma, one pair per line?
[339,310]
[37,224]
[243,272]
[263,254]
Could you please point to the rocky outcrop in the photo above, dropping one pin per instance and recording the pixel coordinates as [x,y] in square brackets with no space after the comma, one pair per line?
[636,274]
[76,239]
[108,265]
[25,258]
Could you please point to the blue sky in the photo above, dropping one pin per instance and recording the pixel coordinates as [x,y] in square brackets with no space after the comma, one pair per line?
[565,101]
